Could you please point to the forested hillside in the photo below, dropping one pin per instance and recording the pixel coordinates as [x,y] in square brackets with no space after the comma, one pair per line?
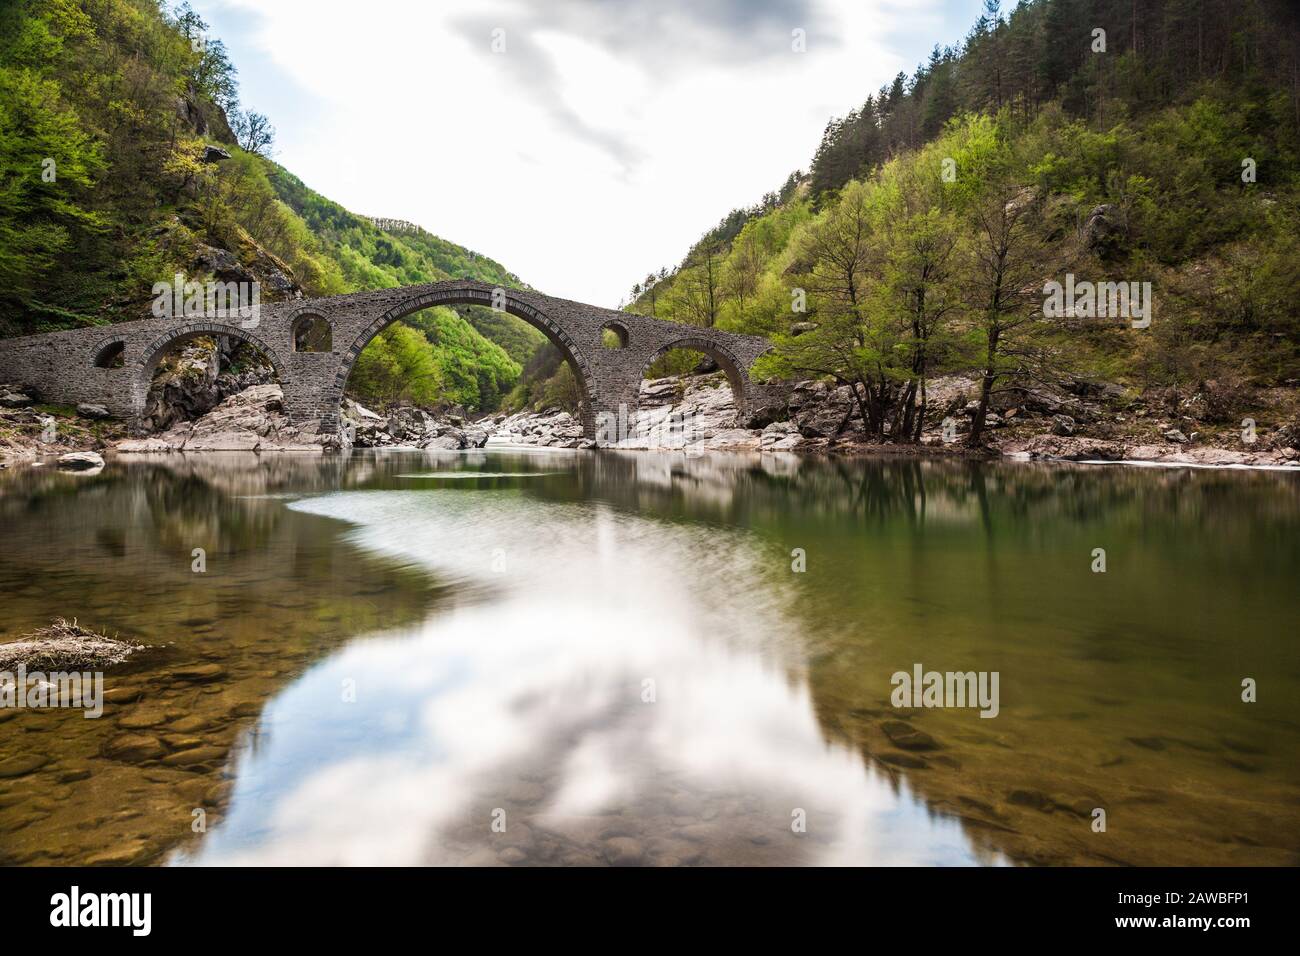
[126,156]
[1127,141]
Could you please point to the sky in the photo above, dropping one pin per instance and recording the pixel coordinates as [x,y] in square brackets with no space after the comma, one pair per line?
[580,143]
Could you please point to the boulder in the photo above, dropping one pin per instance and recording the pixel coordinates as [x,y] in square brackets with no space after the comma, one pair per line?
[80,461]
[764,415]
[452,441]
[1104,228]
[1062,425]
[86,410]
[222,263]
[15,400]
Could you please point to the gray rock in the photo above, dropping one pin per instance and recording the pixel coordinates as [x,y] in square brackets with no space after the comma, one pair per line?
[1062,425]
[448,442]
[1104,228]
[1175,436]
[15,400]
[80,461]
[214,154]
[86,410]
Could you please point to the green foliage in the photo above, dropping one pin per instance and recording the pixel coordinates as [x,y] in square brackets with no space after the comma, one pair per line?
[372,258]
[519,339]
[907,273]
[397,367]
[433,357]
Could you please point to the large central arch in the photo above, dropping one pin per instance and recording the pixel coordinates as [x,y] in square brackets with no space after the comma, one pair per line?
[498,300]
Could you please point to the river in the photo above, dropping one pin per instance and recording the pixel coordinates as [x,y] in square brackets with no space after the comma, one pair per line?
[545,658]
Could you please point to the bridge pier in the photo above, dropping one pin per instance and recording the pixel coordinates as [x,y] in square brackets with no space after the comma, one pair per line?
[311,406]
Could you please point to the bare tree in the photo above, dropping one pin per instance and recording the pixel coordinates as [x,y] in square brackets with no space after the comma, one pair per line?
[253,132]
[1005,261]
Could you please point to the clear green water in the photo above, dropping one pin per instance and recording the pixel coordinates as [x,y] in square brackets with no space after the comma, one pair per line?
[555,658]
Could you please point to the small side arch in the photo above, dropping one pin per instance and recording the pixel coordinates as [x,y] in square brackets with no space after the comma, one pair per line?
[110,355]
[311,332]
[731,365]
[613,335]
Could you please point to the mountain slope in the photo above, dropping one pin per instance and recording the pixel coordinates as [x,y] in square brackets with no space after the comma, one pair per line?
[1161,148]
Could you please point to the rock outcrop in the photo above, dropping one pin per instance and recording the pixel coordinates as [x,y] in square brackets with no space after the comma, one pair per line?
[251,420]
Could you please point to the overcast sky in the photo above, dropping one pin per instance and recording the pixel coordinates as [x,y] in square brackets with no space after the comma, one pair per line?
[605,137]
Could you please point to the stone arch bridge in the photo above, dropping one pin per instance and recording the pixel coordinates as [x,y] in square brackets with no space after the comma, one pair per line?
[113,365]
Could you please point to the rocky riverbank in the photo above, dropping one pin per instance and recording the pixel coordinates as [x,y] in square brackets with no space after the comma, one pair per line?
[1074,421]
[31,431]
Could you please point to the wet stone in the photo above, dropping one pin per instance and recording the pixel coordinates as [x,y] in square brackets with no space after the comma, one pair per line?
[141,719]
[903,761]
[21,765]
[119,855]
[188,725]
[906,737]
[134,748]
[198,755]
[1030,798]
[198,673]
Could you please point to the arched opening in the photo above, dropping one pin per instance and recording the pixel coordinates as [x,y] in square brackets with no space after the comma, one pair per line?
[613,335]
[465,355]
[703,378]
[312,333]
[112,355]
[186,376]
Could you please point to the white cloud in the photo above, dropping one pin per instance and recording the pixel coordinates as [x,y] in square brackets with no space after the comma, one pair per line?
[604,141]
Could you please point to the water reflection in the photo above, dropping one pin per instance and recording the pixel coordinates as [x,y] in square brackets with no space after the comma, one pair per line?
[611,653]
[620,691]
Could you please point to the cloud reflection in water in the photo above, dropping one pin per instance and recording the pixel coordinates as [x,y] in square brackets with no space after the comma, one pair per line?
[526,696]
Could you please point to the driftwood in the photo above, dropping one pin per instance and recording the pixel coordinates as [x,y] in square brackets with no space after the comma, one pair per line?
[64,646]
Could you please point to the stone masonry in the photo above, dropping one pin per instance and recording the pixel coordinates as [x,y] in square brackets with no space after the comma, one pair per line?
[66,367]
